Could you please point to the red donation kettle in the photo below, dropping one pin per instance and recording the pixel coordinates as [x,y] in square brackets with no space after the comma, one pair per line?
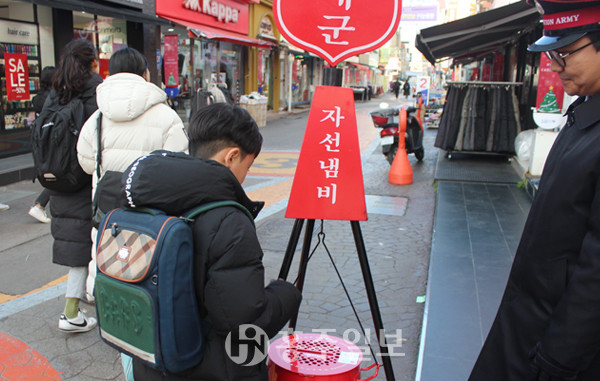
[317,357]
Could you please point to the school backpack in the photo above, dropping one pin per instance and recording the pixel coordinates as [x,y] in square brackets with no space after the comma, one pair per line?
[54,145]
[146,303]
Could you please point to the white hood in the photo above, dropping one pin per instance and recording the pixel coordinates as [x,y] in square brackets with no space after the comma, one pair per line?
[125,96]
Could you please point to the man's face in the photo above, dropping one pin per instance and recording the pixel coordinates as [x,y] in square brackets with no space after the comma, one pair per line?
[581,75]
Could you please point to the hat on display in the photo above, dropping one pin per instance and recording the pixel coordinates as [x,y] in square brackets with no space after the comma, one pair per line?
[565,21]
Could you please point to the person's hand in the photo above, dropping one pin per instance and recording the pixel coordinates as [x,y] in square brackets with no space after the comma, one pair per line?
[544,368]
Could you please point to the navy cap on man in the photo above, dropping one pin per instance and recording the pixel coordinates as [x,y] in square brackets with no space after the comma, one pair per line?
[565,22]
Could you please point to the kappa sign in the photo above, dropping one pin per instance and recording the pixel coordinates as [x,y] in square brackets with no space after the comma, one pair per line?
[338,29]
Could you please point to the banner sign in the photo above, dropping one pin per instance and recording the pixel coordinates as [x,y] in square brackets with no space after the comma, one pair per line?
[419,13]
[328,183]
[338,29]
[549,87]
[171,61]
[16,72]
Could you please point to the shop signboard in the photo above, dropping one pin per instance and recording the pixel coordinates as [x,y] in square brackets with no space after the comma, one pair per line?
[328,183]
[18,33]
[229,15]
[423,85]
[420,13]
[336,30]
[16,72]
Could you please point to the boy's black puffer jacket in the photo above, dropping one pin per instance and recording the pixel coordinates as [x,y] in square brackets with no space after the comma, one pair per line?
[230,280]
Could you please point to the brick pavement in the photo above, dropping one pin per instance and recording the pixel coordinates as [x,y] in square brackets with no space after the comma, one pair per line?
[398,247]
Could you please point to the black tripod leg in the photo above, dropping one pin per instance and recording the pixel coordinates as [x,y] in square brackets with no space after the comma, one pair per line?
[372,296]
[291,248]
[303,264]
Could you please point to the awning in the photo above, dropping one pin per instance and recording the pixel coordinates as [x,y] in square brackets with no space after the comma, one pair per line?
[200,30]
[484,31]
[360,66]
[102,10]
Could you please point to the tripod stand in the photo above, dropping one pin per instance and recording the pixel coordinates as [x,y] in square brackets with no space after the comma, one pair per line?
[366,272]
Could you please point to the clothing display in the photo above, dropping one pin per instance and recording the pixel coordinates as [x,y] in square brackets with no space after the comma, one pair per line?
[479,117]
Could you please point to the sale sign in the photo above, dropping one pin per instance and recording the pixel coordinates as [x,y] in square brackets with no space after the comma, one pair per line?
[328,183]
[16,72]
[338,29]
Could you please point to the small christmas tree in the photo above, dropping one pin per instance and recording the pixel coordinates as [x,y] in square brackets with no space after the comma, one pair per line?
[549,104]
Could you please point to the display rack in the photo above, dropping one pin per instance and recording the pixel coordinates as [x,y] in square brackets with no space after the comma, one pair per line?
[479,117]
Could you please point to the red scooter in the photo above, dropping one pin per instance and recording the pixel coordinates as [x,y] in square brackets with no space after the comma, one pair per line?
[387,120]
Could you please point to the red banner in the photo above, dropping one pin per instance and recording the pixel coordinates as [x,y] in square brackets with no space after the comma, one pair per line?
[336,30]
[103,67]
[16,72]
[548,81]
[171,61]
[328,183]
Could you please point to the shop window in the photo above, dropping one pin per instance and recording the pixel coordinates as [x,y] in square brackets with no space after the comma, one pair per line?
[106,33]
[230,68]
[19,43]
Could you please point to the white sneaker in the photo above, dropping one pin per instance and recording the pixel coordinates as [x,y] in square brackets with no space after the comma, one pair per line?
[39,214]
[3,206]
[80,324]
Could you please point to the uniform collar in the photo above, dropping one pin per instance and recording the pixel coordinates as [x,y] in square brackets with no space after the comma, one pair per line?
[586,112]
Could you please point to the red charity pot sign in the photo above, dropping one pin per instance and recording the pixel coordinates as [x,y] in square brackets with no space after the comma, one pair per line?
[337,29]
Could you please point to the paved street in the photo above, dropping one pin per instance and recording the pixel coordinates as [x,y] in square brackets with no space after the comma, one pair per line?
[397,236]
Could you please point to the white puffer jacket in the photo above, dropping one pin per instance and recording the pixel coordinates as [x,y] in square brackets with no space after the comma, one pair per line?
[136,120]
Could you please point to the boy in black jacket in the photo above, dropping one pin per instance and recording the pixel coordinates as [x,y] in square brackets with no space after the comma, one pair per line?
[224,141]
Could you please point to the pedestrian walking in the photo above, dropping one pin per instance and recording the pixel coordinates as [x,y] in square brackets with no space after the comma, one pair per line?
[76,76]
[229,274]
[396,88]
[38,210]
[406,89]
[135,120]
[547,326]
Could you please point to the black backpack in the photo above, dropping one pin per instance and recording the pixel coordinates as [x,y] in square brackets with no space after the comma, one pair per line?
[54,145]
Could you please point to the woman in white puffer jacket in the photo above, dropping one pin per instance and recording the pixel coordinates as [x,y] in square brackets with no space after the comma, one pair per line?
[136,120]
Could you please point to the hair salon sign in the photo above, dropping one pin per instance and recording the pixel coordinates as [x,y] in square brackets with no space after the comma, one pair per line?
[338,29]
[16,72]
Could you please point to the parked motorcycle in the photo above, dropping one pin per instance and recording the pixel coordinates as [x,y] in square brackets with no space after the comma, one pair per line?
[387,119]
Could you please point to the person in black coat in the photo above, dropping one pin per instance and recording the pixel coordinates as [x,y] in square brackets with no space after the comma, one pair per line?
[38,210]
[406,89]
[76,76]
[396,88]
[548,323]
[229,273]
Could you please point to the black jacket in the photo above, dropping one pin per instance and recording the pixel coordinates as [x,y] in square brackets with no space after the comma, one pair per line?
[552,298]
[71,213]
[229,271]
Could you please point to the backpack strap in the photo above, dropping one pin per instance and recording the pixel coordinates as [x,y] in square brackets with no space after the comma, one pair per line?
[99,148]
[190,214]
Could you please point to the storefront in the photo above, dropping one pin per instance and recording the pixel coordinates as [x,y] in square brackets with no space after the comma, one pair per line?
[490,47]
[213,47]
[33,35]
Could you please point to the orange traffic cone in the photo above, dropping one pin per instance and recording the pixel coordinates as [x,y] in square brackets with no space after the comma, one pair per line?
[401,172]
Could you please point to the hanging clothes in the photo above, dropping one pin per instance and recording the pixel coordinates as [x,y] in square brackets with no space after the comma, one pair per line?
[479,117]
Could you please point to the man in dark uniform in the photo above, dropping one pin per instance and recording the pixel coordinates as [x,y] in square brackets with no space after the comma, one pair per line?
[548,323]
